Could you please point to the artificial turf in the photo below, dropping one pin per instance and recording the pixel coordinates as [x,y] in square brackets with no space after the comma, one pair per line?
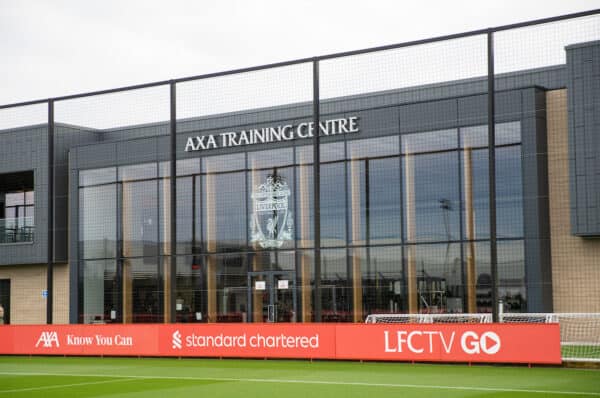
[168,378]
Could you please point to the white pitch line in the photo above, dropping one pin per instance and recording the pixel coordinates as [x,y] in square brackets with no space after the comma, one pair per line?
[318,382]
[117,380]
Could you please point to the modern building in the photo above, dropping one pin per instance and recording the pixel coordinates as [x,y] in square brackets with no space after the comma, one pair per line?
[404,207]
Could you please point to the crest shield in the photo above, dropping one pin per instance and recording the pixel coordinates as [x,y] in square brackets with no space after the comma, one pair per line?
[272,223]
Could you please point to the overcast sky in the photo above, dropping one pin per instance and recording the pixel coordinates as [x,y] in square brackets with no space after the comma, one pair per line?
[50,48]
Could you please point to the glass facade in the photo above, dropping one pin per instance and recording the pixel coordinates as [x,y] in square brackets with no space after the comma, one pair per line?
[404,228]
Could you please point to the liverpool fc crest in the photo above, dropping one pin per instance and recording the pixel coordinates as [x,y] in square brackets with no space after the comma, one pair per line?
[272,224]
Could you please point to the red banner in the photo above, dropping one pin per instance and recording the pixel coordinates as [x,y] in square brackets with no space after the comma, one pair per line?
[503,343]
[500,343]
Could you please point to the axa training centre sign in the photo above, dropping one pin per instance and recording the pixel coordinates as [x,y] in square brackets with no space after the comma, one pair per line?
[286,132]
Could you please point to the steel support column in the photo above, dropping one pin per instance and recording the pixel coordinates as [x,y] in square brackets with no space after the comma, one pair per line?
[50,252]
[492,173]
[317,190]
[173,202]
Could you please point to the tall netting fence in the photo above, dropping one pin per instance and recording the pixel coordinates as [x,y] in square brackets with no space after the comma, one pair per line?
[546,80]
[396,193]
[244,240]
[386,185]
[111,222]
[23,219]
[557,68]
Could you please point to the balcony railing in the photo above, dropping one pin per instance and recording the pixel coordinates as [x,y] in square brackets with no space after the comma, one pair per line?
[16,230]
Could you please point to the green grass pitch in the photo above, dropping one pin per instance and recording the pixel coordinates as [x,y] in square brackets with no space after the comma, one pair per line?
[169,378]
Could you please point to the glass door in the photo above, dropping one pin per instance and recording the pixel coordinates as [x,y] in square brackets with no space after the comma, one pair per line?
[272,296]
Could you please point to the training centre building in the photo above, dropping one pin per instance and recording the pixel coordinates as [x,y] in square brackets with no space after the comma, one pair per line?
[404,207]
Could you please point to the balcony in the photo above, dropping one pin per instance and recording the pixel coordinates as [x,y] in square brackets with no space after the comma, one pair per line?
[17,230]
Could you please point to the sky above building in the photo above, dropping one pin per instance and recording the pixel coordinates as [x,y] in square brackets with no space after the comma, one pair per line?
[61,47]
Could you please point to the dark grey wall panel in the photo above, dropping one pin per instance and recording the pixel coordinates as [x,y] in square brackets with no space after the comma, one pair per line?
[583,83]
[94,156]
[425,116]
[65,137]
[536,224]
[138,151]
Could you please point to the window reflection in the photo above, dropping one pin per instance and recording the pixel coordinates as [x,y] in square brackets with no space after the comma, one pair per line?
[432,197]
[98,221]
[439,278]
[101,292]
[336,290]
[139,215]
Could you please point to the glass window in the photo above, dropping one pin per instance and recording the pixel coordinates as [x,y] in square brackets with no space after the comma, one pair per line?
[374,190]
[97,176]
[509,192]
[373,147]
[382,200]
[478,254]
[508,133]
[330,152]
[101,292]
[382,281]
[29,198]
[511,275]
[431,192]
[188,211]
[186,214]
[474,137]
[213,164]
[138,172]
[475,191]
[98,221]
[17,223]
[184,167]
[336,289]
[333,204]
[231,288]
[432,141]
[139,214]
[304,154]
[439,277]
[191,289]
[304,206]
[143,293]
[224,213]
[270,158]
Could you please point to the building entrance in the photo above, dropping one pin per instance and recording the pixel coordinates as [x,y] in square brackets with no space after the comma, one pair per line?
[272,296]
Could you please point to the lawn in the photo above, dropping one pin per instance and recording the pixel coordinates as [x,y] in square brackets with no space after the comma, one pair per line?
[169,378]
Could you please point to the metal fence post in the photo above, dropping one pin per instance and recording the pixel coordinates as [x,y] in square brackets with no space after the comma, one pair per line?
[492,173]
[173,160]
[317,190]
[50,252]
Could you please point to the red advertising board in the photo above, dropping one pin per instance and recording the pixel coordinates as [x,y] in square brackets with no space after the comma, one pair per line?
[492,343]
[249,340]
[502,343]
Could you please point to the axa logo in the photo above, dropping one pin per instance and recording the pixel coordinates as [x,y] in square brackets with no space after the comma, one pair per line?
[48,340]
[488,343]
[176,340]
